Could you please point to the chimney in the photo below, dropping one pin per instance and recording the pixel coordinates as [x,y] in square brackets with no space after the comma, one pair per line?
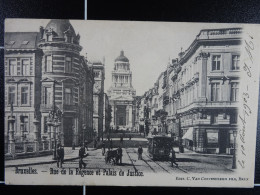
[41,32]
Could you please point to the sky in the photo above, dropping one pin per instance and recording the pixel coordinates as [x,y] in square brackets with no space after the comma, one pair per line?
[147,45]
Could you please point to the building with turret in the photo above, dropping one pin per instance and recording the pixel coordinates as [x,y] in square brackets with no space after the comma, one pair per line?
[46,75]
[121,95]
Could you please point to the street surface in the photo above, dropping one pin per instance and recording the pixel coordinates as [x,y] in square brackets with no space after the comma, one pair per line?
[188,163]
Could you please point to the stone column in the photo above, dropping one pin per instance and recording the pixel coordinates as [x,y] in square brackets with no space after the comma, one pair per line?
[203,76]
[130,116]
[127,115]
[11,145]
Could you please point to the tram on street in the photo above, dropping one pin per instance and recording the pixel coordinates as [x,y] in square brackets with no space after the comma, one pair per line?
[159,147]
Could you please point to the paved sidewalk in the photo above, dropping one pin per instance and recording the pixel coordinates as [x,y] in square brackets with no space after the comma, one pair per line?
[68,156]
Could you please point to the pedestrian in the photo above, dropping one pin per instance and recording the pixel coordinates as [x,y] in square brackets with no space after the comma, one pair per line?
[140,152]
[119,154]
[173,158]
[81,156]
[95,143]
[121,139]
[130,137]
[103,148]
[60,155]
[110,144]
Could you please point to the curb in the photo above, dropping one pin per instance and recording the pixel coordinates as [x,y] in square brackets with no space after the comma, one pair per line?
[41,163]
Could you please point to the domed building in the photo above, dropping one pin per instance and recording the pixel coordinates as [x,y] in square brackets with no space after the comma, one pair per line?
[66,78]
[121,94]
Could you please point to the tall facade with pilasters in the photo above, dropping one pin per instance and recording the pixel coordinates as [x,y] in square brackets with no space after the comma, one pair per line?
[121,95]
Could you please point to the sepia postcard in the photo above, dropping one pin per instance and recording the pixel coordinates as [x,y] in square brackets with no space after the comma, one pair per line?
[123,103]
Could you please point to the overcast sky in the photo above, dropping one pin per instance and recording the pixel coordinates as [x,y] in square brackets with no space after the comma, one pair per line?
[147,45]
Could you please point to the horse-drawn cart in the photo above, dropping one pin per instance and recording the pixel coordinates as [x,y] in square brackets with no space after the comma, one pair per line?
[112,157]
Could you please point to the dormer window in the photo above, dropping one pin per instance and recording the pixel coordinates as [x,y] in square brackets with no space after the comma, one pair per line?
[49,37]
[10,42]
[25,42]
[69,39]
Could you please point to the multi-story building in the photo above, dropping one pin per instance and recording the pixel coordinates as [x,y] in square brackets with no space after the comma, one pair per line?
[22,82]
[206,90]
[106,115]
[122,94]
[98,96]
[45,73]
[198,92]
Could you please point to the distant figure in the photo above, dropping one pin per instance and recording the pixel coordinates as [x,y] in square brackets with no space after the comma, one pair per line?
[81,156]
[140,152]
[130,137]
[103,148]
[95,143]
[110,144]
[121,139]
[120,154]
[173,158]
[86,145]
[60,155]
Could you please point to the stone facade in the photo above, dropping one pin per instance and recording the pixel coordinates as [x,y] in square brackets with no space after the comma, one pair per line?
[200,92]
[45,72]
[121,95]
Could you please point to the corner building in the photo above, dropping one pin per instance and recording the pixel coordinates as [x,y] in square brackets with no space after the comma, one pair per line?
[67,81]
[205,86]
[45,71]
[122,95]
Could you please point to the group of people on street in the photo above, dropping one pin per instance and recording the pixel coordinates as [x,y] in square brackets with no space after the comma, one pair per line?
[60,154]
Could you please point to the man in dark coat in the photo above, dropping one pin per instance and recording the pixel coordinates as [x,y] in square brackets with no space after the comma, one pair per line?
[60,155]
[81,156]
[103,148]
[140,152]
[173,158]
[120,154]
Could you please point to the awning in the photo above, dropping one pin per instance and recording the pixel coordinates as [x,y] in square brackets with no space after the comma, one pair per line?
[189,134]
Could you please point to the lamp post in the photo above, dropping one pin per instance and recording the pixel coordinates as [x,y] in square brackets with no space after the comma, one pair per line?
[234,165]
[83,134]
[54,121]
[55,125]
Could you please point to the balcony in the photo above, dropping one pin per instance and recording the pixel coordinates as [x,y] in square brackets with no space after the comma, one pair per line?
[46,107]
[209,104]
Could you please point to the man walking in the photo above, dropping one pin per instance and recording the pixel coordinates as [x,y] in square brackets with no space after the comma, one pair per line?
[140,152]
[119,154]
[103,149]
[81,156]
[60,155]
[173,158]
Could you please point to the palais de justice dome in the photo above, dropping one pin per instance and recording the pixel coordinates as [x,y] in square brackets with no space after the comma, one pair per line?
[122,94]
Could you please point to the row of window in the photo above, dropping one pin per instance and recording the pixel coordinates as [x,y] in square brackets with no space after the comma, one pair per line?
[213,117]
[47,99]
[216,62]
[215,91]
[24,124]
[49,66]
[24,95]
[13,69]
[48,96]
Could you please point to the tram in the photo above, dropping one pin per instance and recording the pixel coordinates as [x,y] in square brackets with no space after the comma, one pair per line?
[159,147]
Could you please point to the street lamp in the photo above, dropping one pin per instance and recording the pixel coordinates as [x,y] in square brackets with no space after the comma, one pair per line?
[54,120]
[234,165]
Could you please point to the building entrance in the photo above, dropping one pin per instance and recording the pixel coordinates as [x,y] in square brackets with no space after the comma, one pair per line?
[121,115]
